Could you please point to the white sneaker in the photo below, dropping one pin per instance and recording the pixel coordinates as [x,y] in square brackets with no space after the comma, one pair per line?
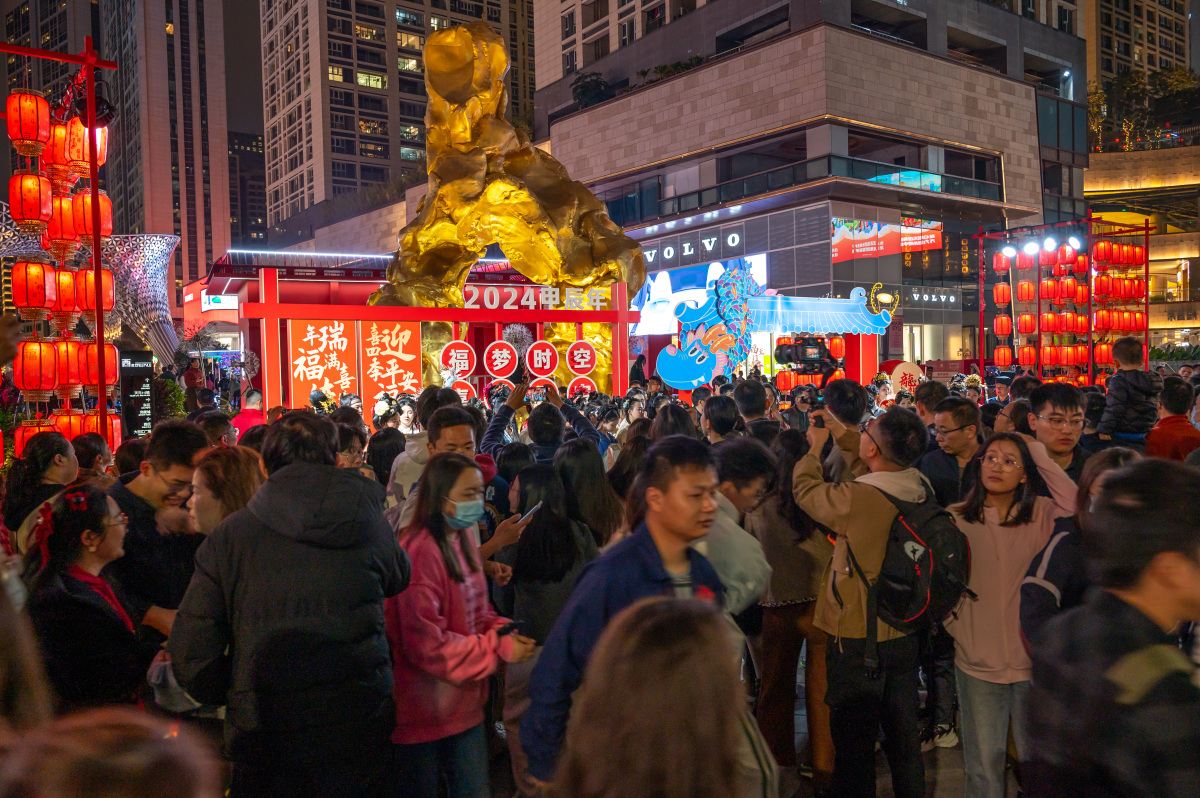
[945,737]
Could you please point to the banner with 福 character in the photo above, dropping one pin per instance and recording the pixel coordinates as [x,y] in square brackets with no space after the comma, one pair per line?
[322,355]
[391,358]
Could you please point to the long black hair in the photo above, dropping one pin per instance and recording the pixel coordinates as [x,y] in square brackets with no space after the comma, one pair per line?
[383,448]
[72,513]
[513,458]
[622,473]
[1025,495]
[591,500]
[437,480]
[672,419]
[27,472]
[790,445]
[547,550]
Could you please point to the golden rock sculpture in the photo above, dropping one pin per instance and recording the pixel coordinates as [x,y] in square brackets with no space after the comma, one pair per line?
[488,184]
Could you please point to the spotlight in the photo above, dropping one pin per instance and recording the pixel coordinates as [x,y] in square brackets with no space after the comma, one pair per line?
[105,111]
[1066,73]
[1031,248]
[1009,252]
[1050,244]
[1074,242]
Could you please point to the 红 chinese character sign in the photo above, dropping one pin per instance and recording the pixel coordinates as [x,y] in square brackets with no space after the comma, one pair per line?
[581,358]
[500,359]
[323,355]
[541,359]
[391,357]
[459,357]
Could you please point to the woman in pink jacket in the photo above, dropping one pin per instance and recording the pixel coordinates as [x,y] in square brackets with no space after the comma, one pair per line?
[1007,521]
[446,640]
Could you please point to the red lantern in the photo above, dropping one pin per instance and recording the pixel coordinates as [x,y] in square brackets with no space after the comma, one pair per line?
[81,206]
[1002,325]
[1001,294]
[1049,289]
[67,355]
[85,293]
[1066,288]
[1102,252]
[1066,255]
[837,347]
[1000,262]
[34,289]
[1049,322]
[89,366]
[68,421]
[54,158]
[1103,353]
[112,423]
[1081,323]
[1126,254]
[1139,288]
[35,369]
[1081,354]
[838,374]
[1139,255]
[1103,320]
[1025,261]
[1025,324]
[1027,356]
[1003,356]
[1103,286]
[1139,320]
[1101,378]
[1081,264]
[78,156]
[65,312]
[29,201]
[1047,257]
[1066,322]
[1081,294]
[1066,356]
[1025,291]
[1049,355]
[1126,320]
[26,430]
[60,232]
[28,116]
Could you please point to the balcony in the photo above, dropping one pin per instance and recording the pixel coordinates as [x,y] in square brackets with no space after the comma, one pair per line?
[812,170]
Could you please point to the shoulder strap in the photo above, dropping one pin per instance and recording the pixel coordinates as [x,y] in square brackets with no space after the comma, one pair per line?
[871,645]
[1136,674]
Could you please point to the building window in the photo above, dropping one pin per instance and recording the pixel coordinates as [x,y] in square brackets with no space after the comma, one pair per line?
[410,154]
[410,132]
[439,23]
[340,50]
[340,74]
[369,33]
[625,32]
[369,102]
[469,9]
[373,127]
[343,169]
[372,80]
[341,122]
[655,18]
[375,174]
[340,98]
[568,24]
[1066,20]
[410,64]
[411,18]
[409,41]
[568,62]
[368,10]
[1106,65]
[342,146]
[369,150]
[336,25]
[411,110]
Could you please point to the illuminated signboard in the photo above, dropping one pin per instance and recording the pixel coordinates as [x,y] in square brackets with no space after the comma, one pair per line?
[853,238]
[664,290]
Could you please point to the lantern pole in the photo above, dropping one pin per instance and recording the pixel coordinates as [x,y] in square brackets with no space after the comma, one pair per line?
[980,338]
[89,71]
[1091,242]
[1037,296]
[1146,297]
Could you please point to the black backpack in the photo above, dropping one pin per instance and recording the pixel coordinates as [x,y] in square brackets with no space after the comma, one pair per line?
[926,569]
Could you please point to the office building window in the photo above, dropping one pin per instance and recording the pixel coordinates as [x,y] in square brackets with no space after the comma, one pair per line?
[373,127]
[343,169]
[409,41]
[625,32]
[1066,20]
[568,62]
[340,74]
[369,33]
[439,23]
[411,154]
[411,18]
[372,80]
[568,24]
[369,150]
[407,64]
[342,146]
[410,132]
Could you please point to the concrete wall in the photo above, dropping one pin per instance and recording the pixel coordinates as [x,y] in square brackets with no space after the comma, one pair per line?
[825,70]
[371,233]
[1126,171]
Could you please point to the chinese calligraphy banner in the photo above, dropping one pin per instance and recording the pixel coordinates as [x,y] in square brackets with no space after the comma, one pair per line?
[321,357]
[391,358]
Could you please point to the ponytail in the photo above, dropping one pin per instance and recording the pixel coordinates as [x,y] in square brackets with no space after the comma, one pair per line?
[57,538]
[27,472]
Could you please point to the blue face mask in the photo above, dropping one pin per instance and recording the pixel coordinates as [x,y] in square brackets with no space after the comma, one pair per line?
[466,513]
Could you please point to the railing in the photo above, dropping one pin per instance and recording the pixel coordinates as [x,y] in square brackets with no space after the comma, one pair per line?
[818,168]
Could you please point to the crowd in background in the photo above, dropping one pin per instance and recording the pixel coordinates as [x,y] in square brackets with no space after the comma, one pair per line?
[614,595]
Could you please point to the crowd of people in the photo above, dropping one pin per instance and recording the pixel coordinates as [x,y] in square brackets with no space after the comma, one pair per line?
[613,595]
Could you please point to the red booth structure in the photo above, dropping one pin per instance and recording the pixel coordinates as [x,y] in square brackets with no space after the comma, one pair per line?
[315,304]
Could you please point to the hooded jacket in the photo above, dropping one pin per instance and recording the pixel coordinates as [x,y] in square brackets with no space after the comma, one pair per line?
[408,466]
[1131,407]
[284,622]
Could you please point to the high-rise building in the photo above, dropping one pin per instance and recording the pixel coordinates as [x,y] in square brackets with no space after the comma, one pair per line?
[168,167]
[344,100]
[1124,35]
[247,191]
[62,26]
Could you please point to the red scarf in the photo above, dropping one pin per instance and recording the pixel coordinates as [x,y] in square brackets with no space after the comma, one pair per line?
[103,590]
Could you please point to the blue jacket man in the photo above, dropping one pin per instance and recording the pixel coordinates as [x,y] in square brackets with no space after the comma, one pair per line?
[547,422]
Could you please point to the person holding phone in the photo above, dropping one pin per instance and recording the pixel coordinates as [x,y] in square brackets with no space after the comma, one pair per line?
[446,639]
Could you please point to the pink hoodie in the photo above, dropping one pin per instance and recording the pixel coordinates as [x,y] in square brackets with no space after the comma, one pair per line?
[444,644]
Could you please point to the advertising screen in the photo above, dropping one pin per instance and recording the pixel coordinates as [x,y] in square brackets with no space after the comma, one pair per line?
[853,238]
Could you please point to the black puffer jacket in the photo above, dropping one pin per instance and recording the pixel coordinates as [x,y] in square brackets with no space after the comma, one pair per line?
[1132,404]
[284,621]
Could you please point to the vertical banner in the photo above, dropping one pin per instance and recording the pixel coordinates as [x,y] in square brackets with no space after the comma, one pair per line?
[323,355]
[391,358]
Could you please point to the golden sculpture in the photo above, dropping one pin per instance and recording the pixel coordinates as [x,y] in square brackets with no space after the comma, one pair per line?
[488,184]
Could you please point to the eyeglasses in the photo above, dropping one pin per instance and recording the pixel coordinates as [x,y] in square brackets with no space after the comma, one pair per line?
[941,433]
[1004,465]
[122,520]
[1061,424]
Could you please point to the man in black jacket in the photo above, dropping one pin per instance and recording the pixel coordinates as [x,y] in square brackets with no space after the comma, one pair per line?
[956,425]
[283,622]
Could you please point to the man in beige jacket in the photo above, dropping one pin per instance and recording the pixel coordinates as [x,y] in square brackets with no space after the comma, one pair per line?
[862,700]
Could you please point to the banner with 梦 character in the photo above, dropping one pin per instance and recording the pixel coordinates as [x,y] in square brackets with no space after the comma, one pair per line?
[322,355]
[391,358]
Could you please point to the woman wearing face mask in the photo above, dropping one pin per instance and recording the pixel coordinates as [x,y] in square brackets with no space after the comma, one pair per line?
[1057,578]
[1007,522]
[222,484]
[446,640]
[93,656]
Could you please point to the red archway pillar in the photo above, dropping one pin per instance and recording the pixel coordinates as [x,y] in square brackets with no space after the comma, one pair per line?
[862,357]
